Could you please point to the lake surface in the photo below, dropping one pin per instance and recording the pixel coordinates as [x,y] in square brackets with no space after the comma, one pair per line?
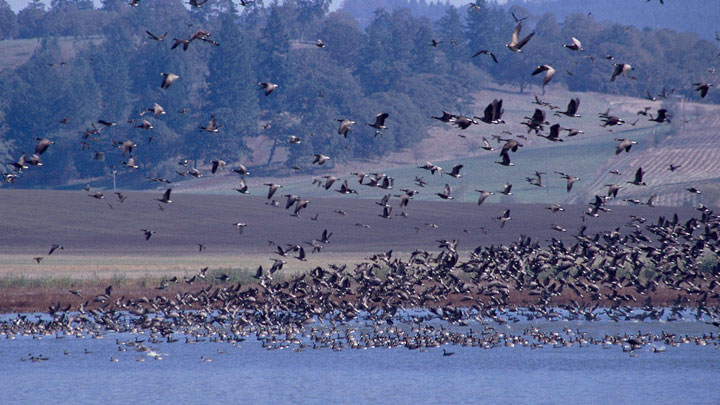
[248,373]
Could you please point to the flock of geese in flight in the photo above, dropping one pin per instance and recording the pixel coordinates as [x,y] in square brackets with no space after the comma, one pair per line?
[609,275]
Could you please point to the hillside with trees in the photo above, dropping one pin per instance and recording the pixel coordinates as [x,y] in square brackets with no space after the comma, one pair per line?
[388,65]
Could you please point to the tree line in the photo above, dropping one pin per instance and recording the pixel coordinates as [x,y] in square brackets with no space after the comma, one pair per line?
[389,66]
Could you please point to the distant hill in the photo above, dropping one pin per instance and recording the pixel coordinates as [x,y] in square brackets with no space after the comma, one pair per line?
[679,15]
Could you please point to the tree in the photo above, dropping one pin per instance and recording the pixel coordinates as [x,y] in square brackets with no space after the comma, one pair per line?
[232,89]
[30,20]
[8,21]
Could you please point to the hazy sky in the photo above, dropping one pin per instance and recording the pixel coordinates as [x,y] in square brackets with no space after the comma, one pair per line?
[18,5]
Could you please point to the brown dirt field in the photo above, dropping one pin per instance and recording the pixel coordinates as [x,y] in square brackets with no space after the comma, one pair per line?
[101,243]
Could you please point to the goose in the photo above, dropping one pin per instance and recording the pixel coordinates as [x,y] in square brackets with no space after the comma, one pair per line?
[294,140]
[97,195]
[638,180]
[506,189]
[268,86]
[621,69]
[272,188]
[432,168]
[572,108]
[575,45]
[55,247]
[166,197]
[673,167]
[504,218]
[379,121]
[387,210]
[299,205]
[212,126]
[613,190]
[511,145]
[505,160]
[345,126]
[549,74]
[197,3]
[446,117]
[20,164]
[484,194]
[127,147]
[493,113]
[570,180]
[320,159]
[625,144]
[703,88]
[554,134]
[345,189]
[464,122]
[42,145]
[148,233]
[145,124]
[168,80]
[455,172]
[486,52]
[241,170]
[217,165]
[662,116]
[445,194]
[156,109]
[516,44]
[130,163]
[486,145]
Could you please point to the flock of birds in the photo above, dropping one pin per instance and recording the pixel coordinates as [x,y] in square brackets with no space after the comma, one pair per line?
[602,275]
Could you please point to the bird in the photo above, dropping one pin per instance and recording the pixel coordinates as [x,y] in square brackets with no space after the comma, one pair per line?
[554,134]
[549,74]
[38,259]
[575,45]
[446,193]
[613,190]
[662,116]
[570,180]
[379,121]
[505,159]
[130,163]
[272,188]
[320,159]
[516,44]
[455,172]
[702,88]
[243,189]
[168,80]
[156,37]
[212,126]
[42,145]
[483,195]
[166,197]
[217,165]
[148,233]
[638,180]
[268,86]
[506,189]
[572,108]
[241,170]
[55,247]
[621,69]
[345,126]
[504,218]
[673,167]
[624,144]
[493,113]
[486,52]
[486,145]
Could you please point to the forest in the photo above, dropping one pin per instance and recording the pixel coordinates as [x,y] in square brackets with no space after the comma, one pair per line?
[408,66]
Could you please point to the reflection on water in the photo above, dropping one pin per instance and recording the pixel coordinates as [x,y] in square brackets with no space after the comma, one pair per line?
[80,370]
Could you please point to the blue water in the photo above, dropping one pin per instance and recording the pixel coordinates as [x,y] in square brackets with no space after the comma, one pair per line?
[248,373]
